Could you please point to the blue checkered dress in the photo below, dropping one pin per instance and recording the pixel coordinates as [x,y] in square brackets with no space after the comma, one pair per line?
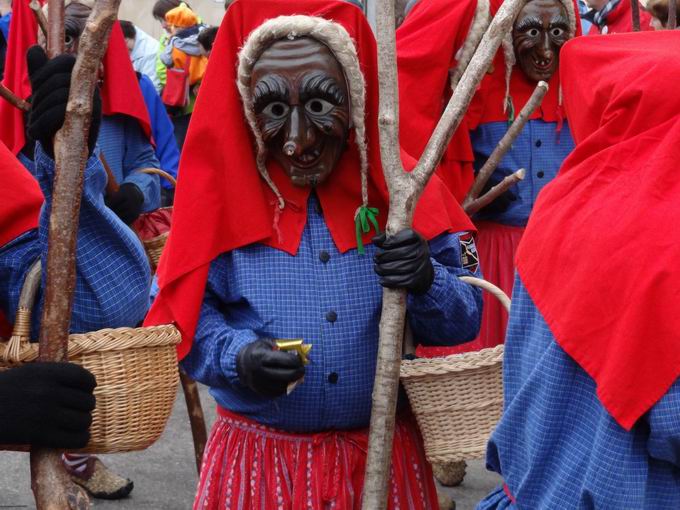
[113,275]
[558,448]
[332,301]
[540,149]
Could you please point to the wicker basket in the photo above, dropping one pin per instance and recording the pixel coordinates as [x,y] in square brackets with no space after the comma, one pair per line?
[154,246]
[135,368]
[457,399]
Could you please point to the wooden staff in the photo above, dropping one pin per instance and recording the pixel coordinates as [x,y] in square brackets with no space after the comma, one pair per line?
[495,192]
[13,99]
[199,431]
[39,16]
[404,190]
[635,12]
[504,145]
[672,15]
[51,485]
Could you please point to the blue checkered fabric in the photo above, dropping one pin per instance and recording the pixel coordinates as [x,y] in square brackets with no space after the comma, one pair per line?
[113,275]
[127,149]
[539,149]
[557,447]
[332,301]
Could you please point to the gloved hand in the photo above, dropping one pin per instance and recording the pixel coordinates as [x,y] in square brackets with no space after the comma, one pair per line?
[126,202]
[51,83]
[46,404]
[403,261]
[266,371]
[500,204]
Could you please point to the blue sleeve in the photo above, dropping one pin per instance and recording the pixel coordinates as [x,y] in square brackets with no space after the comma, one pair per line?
[167,150]
[4,25]
[113,274]
[139,154]
[212,359]
[663,419]
[450,312]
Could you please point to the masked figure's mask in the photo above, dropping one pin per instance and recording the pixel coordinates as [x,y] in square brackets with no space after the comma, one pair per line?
[302,108]
[540,30]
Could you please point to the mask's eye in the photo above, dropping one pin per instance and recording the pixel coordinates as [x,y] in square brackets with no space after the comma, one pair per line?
[318,106]
[276,110]
[533,32]
[557,32]
[69,40]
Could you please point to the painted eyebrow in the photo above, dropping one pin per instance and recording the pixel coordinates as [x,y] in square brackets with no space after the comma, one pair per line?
[270,87]
[559,21]
[531,22]
[318,83]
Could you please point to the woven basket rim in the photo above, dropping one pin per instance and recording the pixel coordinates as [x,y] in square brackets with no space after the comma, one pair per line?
[423,367]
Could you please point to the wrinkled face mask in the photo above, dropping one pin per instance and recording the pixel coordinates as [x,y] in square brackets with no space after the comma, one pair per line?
[540,30]
[302,108]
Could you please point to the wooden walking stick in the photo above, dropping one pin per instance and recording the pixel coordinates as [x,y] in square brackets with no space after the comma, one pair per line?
[405,188]
[51,485]
[199,432]
[39,16]
[635,12]
[672,15]
[13,99]
[471,204]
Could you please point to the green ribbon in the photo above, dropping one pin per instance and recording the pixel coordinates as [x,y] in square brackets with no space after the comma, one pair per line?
[361,221]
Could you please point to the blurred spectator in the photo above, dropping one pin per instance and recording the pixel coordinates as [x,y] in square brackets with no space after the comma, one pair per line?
[160,9]
[206,39]
[613,17]
[143,50]
[658,9]
[5,17]
[183,51]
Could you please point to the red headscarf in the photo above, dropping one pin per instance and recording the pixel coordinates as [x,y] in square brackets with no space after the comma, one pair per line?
[620,20]
[223,204]
[488,104]
[600,253]
[20,202]
[427,46]
[120,90]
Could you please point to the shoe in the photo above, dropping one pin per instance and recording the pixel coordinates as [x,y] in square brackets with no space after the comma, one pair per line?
[100,482]
[445,502]
[450,474]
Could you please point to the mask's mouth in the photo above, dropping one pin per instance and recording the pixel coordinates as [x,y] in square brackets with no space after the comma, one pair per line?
[543,65]
[309,159]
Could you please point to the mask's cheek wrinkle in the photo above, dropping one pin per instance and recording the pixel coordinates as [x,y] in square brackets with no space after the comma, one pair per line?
[270,128]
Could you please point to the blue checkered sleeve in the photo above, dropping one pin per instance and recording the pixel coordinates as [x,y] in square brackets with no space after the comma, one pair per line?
[113,274]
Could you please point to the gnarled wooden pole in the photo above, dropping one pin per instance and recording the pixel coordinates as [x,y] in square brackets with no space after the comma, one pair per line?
[52,487]
[405,189]
[672,15]
[635,13]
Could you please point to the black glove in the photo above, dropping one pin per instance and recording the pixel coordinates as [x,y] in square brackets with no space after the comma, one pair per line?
[46,404]
[51,83]
[266,371]
[126,202]
[403,261]
[502,202]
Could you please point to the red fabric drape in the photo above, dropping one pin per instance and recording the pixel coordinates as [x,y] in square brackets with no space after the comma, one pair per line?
[600,254]
[223,204]
[620,20]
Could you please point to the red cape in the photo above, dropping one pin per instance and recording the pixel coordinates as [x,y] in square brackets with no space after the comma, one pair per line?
[120,89]
[427,43]
[600,253]
[20,202]
[487,106]
[620,20]
[223,204]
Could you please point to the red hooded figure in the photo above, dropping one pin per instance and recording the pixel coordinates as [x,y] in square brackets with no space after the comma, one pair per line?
[272,240]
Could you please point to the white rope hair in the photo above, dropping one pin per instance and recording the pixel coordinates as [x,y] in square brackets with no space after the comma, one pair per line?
[480,23]
[509,52]
[338,41]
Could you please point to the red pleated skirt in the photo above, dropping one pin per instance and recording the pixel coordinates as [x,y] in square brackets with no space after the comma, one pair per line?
[496,245]
[247,466]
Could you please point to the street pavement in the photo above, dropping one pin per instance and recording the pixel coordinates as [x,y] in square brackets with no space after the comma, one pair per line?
[165,474]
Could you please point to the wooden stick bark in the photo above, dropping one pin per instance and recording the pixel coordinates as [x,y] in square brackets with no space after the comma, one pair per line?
[672,15]
[199,431]
[505,144]
[635,12]
[52,487]
[405,189]
[495,192]
[39,16]
[13,99]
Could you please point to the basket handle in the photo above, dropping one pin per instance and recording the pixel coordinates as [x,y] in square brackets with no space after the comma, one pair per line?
[157,171]
[489,287]
[21,332]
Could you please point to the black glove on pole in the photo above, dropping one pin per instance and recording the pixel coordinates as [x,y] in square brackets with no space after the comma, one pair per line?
[46,404]
[50,85]
[267,371]
[127,202]
[403,261]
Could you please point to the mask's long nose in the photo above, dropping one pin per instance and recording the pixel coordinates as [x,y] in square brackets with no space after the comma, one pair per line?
[298,137]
